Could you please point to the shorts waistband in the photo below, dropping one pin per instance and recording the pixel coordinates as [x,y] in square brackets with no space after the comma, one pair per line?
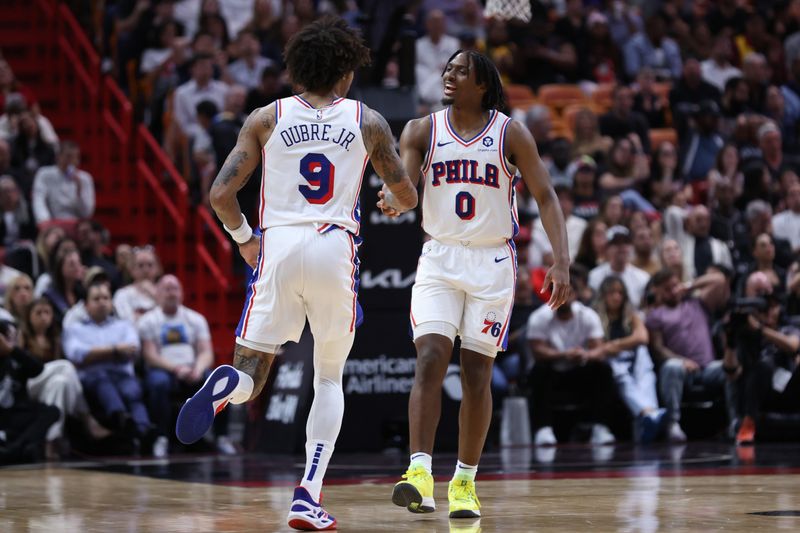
[471,244]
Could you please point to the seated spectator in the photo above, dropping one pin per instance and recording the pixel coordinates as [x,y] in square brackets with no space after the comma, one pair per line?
[652,48]
[689,92]
[24,423]
[644,251]
[514,363]
[134,300]
[671,258]
[66,289]
[627,168]
[664,178]
[767,347]
[201,87]
[104,350]
[764,262]
[575,225]
[726,166]
[46,242]
[700,250]
[10,85]
[621,120]
[793,289]
[176,345]
[566,345]
[45,280]
[702,144]
[756,74]
[788,179]
[717,69]
[545,58]
[647,102]
[17,228]
[16,105]
[734,102]
[587,140]
[433,52]
[612,211]
[5,163]
[786,224]
[225,127]
[269,89]
[592,249]
[758,218]
[618,253]
[540,123]
[92,238]
[558,164]
[58,384]
[680,340]
[19,294]
[625,347]
[585,196]
[123,259]
[725,217]
[246,70]
[775,109]
[30,151]
[7,276]
[62,191]
[600,60]
[771,145]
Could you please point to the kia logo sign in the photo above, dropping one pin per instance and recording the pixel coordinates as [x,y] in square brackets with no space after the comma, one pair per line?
[388,279]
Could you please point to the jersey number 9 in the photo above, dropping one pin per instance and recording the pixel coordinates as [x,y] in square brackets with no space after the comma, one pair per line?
[318,171]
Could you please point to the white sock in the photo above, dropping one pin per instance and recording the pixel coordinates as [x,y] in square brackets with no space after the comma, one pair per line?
[318,453]
[465,471]
[327,409]
[423,459]
[243,390]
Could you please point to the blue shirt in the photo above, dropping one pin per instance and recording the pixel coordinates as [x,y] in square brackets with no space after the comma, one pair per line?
[665,60]
[82,337]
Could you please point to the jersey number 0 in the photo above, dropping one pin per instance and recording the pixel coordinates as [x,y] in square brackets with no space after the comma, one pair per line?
[318,171]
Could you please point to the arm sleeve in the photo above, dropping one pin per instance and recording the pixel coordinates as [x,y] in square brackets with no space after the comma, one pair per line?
[39,198]
[594,326]
[75,349]
[537,327]
[87,198]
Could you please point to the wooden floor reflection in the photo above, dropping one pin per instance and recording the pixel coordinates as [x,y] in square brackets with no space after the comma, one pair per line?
[71,500]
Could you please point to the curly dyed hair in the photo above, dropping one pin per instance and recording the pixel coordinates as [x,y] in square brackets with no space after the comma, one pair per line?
[320,54]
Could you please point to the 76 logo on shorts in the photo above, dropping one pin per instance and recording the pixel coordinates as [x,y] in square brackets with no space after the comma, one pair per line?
[490,325]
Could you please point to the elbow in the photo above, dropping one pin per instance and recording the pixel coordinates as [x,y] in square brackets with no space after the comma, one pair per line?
[217,197]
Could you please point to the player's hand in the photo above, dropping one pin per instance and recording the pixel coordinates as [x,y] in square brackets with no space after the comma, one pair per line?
[126,352]
[249,251]
[558,276]
[385,203]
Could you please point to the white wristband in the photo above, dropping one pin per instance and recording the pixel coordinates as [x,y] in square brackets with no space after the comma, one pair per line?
[242,234]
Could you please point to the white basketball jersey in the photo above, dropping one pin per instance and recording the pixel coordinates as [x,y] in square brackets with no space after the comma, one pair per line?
[469,185]
[313,164]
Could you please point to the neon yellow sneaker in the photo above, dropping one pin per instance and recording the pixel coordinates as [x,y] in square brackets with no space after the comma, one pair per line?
[416,492]
[463,498]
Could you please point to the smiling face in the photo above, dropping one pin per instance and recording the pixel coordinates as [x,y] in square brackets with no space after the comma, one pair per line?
[460,88]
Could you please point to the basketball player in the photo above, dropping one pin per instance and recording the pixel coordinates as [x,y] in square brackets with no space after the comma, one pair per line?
[468,155]
[314,148]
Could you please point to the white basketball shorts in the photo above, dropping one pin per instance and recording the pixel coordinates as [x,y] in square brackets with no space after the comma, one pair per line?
[302,273]
[471,288]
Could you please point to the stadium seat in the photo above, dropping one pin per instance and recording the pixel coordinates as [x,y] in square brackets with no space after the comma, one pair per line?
[659,135]
[519,96]
[601,97]
[561,95]
[569,112]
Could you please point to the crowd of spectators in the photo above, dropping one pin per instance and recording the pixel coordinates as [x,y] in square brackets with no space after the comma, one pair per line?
[671,136]
[95,349]
[669,128]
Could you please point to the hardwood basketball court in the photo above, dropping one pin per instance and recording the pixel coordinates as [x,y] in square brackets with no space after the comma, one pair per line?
[700,486]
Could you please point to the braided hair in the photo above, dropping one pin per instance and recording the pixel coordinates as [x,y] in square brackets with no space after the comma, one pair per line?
[485,74]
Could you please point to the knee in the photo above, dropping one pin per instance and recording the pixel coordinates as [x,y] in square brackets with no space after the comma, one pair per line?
[476,376]
[158,381]
[131,391]
[431,364]
[672,369]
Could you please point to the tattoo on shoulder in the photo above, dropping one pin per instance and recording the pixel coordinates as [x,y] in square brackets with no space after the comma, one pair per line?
[380,145]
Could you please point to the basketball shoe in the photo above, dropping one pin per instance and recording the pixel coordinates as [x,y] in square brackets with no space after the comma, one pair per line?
[416,492]
[307,515]
[198,413]
[463,498]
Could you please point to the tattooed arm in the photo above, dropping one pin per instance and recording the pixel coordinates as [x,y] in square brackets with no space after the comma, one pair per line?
[239,165]
[399,192]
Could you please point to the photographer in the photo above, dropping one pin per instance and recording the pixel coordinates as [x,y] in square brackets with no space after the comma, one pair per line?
[767,349]
[23,423]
